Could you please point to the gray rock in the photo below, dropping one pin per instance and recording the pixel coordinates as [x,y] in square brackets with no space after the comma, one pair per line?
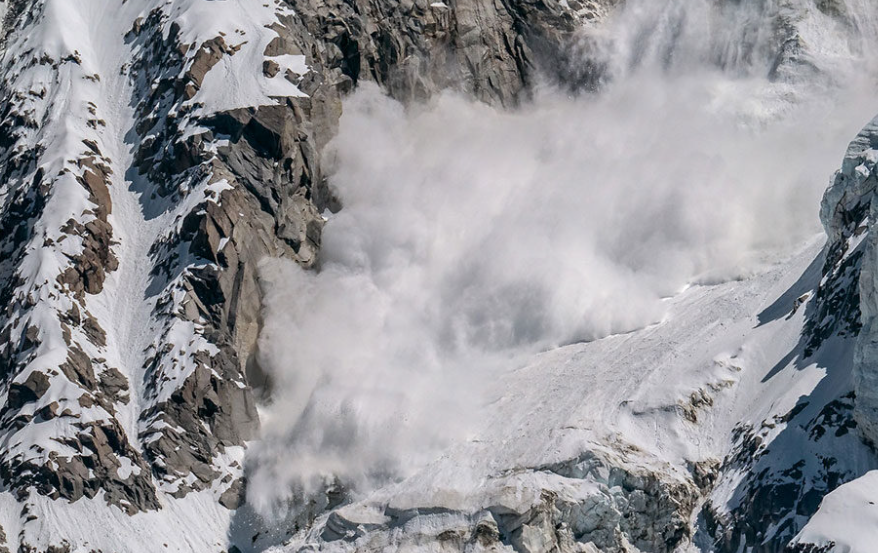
[848,212]
[234,496]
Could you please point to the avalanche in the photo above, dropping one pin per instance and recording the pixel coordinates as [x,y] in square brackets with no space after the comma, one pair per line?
[554,281]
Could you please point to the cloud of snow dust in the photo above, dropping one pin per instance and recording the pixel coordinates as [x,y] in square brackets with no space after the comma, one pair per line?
[471,235]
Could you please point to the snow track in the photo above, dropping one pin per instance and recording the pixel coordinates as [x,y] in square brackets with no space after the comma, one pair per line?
[125,303]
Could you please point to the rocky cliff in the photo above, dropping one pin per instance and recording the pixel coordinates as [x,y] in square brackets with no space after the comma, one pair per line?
[848,216]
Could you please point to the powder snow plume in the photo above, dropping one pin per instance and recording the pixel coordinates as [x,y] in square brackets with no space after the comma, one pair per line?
[471,236]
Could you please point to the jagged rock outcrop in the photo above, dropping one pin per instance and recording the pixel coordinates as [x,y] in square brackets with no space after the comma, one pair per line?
[849,213]
[778,488]
[491,51]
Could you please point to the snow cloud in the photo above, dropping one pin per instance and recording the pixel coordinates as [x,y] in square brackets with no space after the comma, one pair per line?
[471,236]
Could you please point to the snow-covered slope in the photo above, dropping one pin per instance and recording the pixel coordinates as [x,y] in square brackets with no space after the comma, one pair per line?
[626,438]
[154,153]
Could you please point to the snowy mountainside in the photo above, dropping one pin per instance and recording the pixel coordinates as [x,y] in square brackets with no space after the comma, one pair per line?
[712,430]
[155,154]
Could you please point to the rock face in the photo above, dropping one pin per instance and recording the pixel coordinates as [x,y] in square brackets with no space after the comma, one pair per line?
[848,214]
[780,477]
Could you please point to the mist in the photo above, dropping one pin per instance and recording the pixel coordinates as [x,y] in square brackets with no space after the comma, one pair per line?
[473,237]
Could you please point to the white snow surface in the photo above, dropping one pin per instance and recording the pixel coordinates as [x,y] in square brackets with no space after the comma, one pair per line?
[629,388]
[847,519]
[622,395]
[237,80]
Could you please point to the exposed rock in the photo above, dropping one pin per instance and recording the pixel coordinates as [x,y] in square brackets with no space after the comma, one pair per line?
[95,468]
[849,213]
[412,49]
[78,369]
[234,495]
[206,56]
[810,548]
[89,269]
[28,391]
[115,385]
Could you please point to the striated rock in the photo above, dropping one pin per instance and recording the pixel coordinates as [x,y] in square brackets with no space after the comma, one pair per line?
[412,49]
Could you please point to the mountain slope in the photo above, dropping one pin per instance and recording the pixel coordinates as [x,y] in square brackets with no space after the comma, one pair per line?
[154,154]
[625,441]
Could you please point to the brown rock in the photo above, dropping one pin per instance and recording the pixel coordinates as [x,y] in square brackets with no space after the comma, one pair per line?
[208,55]
[115,385]
[28,391]
[270,68]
